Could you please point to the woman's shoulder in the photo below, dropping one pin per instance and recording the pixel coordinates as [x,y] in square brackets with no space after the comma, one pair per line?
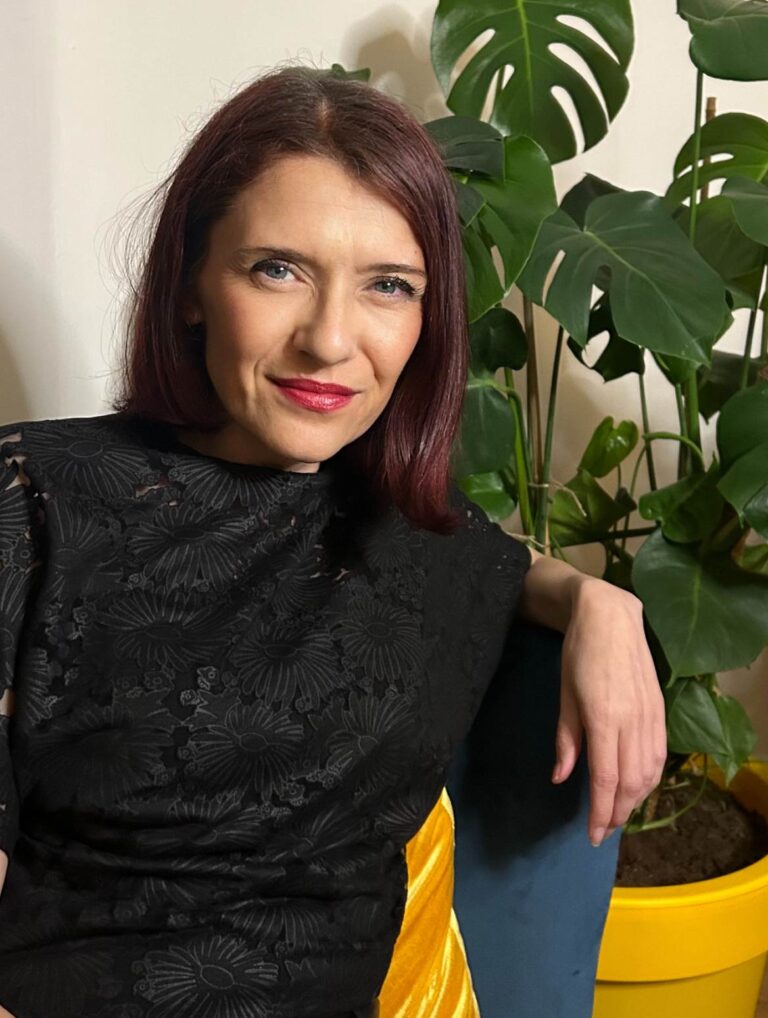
[58,437]
[67,452]
[477,567]
[18,436]
[479,533]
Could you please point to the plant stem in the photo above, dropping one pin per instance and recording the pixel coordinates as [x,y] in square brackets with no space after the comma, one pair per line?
[614,549]
[747,355]
[630,532]
[646,428]
[557,550]
[542,505]
[747,358]
[710,114]
[653,825]
[722,539]
[680,438]
[691,383]
[522,467]
[682,453]
[696,155]
[532,396]
[644,452]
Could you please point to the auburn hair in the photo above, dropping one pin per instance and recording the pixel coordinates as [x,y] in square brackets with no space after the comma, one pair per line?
[405,454]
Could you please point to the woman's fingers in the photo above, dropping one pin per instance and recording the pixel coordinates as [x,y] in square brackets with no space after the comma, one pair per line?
[656,743]
[632,787]
[642,753]
[568,737]
[603,778]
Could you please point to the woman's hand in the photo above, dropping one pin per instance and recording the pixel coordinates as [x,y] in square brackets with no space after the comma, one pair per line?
[611,692]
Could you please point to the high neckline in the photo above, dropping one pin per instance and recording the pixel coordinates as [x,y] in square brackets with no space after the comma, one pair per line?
[164,435]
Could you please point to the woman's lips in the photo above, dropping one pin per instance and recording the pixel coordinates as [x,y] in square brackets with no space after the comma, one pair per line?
[315,400]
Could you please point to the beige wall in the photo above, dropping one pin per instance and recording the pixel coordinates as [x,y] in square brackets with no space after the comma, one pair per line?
[98,96]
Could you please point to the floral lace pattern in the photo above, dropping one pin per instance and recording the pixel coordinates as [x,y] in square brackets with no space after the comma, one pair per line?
[236,691]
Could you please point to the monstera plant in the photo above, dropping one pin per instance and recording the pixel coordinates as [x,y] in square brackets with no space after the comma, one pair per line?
[668,271]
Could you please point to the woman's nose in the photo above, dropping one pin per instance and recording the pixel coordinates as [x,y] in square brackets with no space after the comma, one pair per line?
[328,331]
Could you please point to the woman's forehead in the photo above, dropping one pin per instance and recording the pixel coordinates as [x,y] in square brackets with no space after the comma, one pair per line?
[301,201]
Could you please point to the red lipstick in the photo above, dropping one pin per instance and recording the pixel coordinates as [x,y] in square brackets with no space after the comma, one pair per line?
[314,395]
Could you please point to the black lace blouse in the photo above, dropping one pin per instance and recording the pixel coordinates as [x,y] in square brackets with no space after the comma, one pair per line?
[236,693]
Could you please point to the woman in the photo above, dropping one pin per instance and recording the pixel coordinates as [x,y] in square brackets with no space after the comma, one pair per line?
[247,617]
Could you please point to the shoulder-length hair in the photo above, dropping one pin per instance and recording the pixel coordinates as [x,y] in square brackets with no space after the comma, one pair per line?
[405,454]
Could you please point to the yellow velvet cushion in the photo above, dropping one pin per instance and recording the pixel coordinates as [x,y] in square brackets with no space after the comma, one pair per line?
[428,976]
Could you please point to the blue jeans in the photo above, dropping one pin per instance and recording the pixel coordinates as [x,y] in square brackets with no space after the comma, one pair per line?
[531,892]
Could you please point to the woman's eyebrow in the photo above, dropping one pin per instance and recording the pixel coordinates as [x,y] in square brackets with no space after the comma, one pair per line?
[290,254]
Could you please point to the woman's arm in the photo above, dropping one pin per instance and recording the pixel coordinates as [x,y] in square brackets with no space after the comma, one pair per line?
[549,589]
[610,691]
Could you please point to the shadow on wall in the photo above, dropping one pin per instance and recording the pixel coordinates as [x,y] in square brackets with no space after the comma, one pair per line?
[28,337]
[28,312]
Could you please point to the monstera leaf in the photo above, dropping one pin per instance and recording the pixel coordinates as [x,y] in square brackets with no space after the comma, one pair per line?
[582,511]
[489,492]
[708,614]
[729,37]
[688,509]
[484,288]
[609,446]
[576,201]
[664,297]
[497,340]
[721,380]
[700,719]
[749,201]
[739,137]
[468,145]
[742,440]
[525,36]
[618,358]
[723,243]
[487,437]
[754,558]
[739,736]
[505,191]
[339,71]
[693,722]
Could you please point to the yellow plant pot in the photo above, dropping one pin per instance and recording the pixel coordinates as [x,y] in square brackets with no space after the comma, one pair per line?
[689,950]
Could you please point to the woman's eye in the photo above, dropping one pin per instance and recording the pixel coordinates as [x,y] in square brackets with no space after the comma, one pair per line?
[394,284]
[272,270]
[390,286]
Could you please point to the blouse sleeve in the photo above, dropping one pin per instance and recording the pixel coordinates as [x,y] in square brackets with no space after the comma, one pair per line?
[506,559]
[18,571]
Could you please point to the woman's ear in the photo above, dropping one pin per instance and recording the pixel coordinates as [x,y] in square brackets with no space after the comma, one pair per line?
[190,309]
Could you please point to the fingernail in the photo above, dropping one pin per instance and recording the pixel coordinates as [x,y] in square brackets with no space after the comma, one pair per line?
[556,773]
[597,836]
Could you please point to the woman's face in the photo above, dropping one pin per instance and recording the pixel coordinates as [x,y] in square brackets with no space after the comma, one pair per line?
[309,276]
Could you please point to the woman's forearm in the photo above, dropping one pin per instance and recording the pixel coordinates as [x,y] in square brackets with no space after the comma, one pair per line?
[551,589]
[609,688]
